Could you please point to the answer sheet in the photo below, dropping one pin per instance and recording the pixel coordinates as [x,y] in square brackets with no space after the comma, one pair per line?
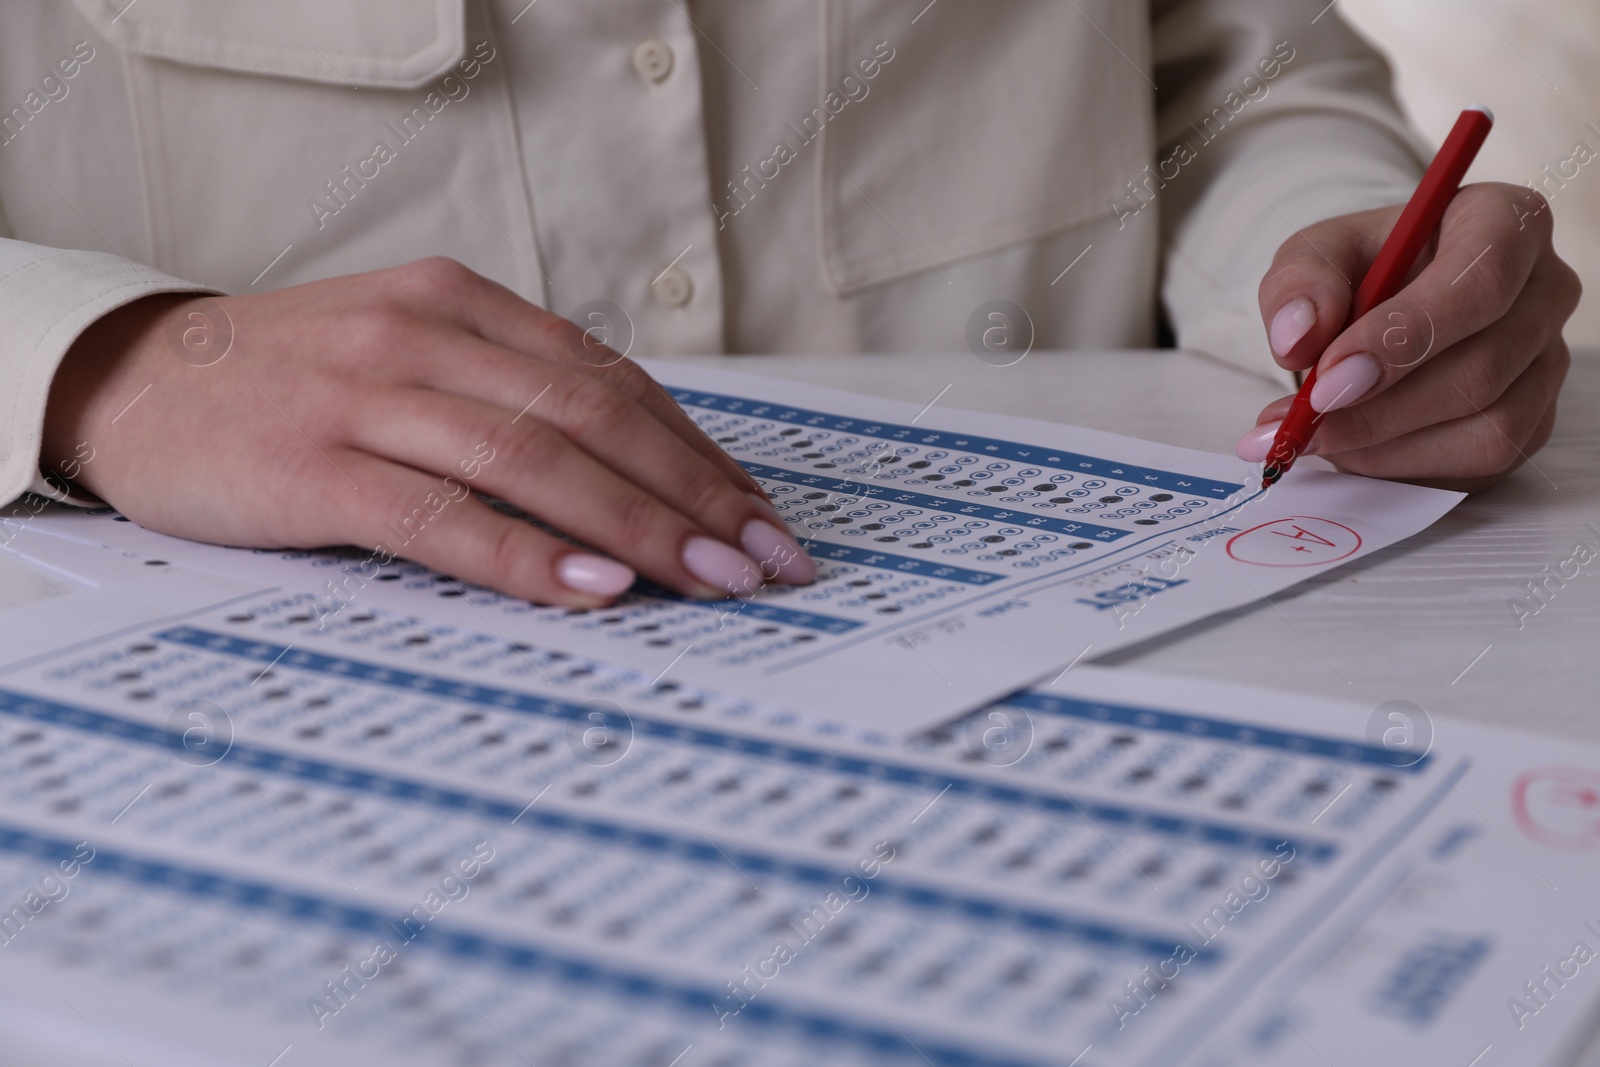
[227,837]
[962,555]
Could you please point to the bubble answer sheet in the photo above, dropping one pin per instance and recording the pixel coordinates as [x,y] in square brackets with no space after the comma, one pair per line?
[961,555]
[228,838]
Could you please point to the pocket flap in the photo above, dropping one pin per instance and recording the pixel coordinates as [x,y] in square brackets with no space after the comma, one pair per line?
[392,44]
[977,127]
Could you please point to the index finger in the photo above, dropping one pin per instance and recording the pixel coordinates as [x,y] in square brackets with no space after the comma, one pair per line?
[497,314]
[1491,237]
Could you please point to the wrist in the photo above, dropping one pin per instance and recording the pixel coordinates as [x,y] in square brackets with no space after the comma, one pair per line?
[90,381]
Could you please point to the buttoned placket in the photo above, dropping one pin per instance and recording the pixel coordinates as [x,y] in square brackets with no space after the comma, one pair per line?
[612,128]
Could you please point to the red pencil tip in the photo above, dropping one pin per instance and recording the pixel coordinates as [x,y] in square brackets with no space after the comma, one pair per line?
[1270,476]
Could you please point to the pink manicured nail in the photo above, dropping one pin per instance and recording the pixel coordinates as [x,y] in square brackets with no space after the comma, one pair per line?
[1292,322]
[1254,446]
[584,573]
[723,569]
[1349,380]
[778,554]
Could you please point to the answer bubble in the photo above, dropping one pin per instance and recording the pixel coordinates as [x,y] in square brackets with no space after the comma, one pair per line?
[1000,333]
[1403,730]
[202,335]
[200,733]
[607,333]
[1000,736]
[602,736]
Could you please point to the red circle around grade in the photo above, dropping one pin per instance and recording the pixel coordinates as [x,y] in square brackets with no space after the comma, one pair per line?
[1271,544]
[1558,806]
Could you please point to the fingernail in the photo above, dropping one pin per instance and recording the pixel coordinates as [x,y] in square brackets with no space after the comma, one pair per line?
[722,568]
[584,573]
[1292,322]
[777,554]
[1254,446]
[1348,381]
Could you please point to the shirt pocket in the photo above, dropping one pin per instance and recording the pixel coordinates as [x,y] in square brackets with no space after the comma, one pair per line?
[397,44]
[326,133]
[969,127]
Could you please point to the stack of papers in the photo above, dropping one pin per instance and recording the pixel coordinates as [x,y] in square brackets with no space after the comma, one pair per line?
[255,813]
[962,556]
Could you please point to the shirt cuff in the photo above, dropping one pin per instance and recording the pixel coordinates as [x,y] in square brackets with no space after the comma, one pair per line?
[48,297]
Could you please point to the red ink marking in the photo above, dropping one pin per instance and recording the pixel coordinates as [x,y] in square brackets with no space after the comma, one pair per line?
[1558,806]
[1298,541]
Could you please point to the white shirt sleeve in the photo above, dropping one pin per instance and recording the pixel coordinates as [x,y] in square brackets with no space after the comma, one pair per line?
[1269,123]
[48,297]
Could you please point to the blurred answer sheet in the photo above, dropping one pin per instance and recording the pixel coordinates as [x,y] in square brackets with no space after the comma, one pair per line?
[961,555]
[228,838]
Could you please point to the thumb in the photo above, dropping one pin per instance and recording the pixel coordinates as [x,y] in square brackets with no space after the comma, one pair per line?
[1305,296]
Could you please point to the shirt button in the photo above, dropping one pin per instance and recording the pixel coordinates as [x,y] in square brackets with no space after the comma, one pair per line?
[673,288]
[653,60]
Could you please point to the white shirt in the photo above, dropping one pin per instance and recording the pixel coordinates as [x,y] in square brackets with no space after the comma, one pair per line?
[733,175]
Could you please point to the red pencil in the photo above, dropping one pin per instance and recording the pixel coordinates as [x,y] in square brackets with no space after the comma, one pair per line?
[1387,274]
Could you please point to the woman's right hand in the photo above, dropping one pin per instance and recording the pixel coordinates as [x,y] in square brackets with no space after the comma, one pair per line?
[367,409]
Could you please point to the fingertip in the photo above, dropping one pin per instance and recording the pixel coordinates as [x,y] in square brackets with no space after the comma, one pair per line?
[1305,296]
[1255,444]
[777,554]
[719,570]
[1289,325]
[594,576]
[1345,383]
